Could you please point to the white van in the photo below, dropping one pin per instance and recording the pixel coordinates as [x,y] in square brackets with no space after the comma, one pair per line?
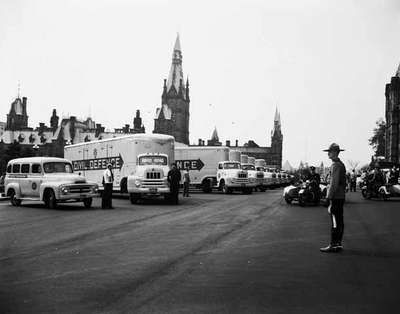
[47,179]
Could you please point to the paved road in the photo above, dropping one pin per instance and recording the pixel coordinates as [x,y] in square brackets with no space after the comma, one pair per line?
[213,253]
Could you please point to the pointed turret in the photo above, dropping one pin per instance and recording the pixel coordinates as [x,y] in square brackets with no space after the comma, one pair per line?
[214,136]
[176,71]
[398,71]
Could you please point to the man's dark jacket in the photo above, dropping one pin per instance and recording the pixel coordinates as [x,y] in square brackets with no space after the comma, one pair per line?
[174,178]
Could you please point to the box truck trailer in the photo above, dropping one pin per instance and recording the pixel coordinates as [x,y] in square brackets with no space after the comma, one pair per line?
[140,162]
[202,162]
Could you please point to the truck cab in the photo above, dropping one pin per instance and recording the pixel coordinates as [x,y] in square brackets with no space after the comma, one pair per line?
[231,177]
[256,174]
[47,179]
[149,178]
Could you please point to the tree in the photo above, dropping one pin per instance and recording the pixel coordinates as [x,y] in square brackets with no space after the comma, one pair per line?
[352,163]
[377,141]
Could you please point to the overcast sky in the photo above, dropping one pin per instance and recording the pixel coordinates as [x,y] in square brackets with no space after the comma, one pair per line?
[324,64]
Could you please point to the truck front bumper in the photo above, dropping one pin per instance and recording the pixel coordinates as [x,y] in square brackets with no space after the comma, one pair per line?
[240,186]
[75,196]
[150,190]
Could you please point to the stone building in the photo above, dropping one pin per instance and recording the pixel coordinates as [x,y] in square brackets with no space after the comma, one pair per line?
[50,140]
[172,117]
[392,112]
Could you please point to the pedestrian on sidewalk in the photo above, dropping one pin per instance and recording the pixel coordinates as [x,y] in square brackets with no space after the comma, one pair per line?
[186,182]
[336,197]
[108,179]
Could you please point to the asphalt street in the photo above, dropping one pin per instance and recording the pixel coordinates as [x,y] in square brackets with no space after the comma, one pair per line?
[213,253]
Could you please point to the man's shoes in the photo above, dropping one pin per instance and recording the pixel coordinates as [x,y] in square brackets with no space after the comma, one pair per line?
[330,249]
[339,247]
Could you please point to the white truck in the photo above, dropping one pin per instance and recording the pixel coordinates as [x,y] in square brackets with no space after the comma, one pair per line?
[140,162]
[202,162]
[256,174]
[47,179]
[231,177]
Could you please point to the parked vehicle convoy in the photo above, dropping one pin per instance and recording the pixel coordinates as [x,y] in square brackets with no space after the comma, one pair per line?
[140,163]
[48,179]
[202,162]
[257,175]
[231,177]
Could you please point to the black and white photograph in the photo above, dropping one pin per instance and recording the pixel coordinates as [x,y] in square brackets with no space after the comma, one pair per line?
[170,156]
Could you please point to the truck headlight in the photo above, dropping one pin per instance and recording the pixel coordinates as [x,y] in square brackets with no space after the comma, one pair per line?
[137,183]
[64,189]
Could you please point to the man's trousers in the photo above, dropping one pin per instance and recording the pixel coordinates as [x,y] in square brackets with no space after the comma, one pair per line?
[337,221]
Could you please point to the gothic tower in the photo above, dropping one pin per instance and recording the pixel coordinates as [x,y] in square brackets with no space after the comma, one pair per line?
[173,116]
[17,119]
[277,140]
[392,112]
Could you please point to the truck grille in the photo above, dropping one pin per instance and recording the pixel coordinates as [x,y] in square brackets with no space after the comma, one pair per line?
[153,175]
[242,175]
[79,188]
[153,183]
[242,180]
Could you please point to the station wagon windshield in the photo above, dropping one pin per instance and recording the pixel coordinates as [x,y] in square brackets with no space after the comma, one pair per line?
[57,167]
[232,165]
[153,160]
[248,167]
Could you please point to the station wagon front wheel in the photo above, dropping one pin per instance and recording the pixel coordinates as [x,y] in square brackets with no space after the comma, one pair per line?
[13,199]
[50,199]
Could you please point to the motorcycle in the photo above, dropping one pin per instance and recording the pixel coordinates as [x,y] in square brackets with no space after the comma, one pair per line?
[389,190]
[291,193]
[309,194]
[370,190]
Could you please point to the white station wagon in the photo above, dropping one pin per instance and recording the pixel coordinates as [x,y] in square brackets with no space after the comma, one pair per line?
[47,179]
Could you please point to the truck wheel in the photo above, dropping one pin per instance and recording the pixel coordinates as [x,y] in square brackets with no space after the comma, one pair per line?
[224,188]
[14,201]
[50,199]
[133,197]
[87,202]
[206,186]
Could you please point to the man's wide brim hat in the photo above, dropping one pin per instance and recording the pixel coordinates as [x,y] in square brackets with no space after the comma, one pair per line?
[334,148]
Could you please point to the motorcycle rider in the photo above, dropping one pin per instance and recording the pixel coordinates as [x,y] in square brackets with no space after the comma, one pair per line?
[315,181]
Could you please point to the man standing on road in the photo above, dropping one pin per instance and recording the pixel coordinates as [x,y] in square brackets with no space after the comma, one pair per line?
[353,181]
[336,197]
[186,182]
[108,179]
[174,179]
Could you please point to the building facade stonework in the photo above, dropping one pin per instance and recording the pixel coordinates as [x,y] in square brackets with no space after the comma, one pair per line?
[392,113]
[172,117]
